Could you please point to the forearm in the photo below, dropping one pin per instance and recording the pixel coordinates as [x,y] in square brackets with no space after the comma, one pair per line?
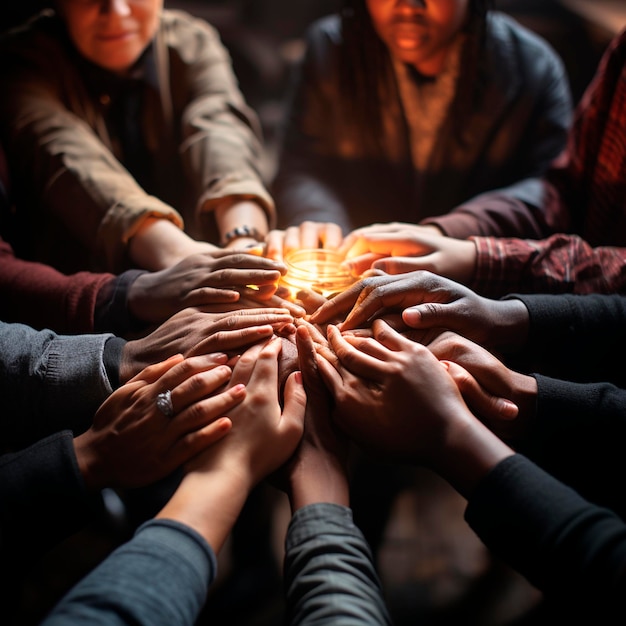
[37,483]
[209,503]
[158,244]
[50,381]
[564,545]
[240,214]
[176,562]
[469,451]
[319,480]
[329,572]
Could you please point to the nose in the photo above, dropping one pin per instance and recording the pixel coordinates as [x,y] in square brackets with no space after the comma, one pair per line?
[118,7]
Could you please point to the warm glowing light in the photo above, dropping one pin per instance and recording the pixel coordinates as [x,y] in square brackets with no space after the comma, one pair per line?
[318,270]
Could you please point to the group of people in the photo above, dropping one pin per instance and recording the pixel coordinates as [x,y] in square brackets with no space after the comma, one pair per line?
[145,334]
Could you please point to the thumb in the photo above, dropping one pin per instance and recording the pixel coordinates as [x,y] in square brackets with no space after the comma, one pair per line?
[292,418]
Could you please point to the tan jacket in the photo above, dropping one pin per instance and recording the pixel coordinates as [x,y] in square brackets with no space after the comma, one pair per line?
[76,203]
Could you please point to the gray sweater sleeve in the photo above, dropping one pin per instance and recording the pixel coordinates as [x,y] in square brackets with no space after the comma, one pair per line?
[329,571]
[49,382]
[158,578]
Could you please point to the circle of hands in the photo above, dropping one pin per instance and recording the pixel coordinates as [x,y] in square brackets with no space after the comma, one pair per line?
[258,376]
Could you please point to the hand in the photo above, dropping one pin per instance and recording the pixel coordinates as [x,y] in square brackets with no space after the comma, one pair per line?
[318,469]
[355,244]
[202,279]
[192,332]
[131,443]
[263,435]
[396,400]
[406,251]
[308,235]
[503,399]
[428,301]
[218,481]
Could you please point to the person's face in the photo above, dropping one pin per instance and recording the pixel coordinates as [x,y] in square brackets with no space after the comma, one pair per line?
[111,33]
[418,32]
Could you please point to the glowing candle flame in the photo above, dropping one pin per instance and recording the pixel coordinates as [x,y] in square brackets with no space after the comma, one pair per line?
[318,270]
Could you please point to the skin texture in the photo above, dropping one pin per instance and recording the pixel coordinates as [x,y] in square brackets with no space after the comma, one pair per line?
[400,248]
[263,436]
[194,332]
[428,301]
[418,33]
[131,443]
[318,471]
[220,277]
[308,235]
[397,401]
[111,33]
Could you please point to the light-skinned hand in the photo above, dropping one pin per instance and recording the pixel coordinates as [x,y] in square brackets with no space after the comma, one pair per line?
[308,235]
[402,251]
[132,443]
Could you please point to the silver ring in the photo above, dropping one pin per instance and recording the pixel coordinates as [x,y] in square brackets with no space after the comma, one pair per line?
[164,403]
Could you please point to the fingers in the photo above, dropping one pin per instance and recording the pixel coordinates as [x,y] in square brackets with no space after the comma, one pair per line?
[274,245]
[354,360]
[485,404]
[338,305]
[256,358]
[233,340]
[361,263]
[153,372]
[306,360]
[402,265]
[292,417]
[198,386]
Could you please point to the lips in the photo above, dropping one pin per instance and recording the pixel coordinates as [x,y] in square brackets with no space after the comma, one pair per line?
[408,35]
[115,36]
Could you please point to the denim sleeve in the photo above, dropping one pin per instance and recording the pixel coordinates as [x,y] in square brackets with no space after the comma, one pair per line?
[159,578]
[329,571]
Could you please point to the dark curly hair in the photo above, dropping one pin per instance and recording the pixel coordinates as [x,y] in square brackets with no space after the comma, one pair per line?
[366,73]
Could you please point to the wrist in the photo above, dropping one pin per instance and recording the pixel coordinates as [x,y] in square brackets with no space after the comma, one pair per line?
[324,480]
[209,502]
[468,453]
[242,236]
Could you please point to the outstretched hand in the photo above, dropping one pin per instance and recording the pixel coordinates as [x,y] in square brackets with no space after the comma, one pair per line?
[133,443]
[192,332]
[203,279]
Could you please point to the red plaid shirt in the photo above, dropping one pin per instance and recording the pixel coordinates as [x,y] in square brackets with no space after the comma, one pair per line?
[585,204]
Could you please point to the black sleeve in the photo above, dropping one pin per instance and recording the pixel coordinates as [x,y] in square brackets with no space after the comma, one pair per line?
[576,337]
[578,436]
[573,551]
[42,499]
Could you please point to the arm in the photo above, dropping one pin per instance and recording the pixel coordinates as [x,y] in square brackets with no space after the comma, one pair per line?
[49,382]
[560,264]
[40,296]
[318,491]
[129,444]
[221,137]
[558,540]
[570,549]
[518,209]
[175,552]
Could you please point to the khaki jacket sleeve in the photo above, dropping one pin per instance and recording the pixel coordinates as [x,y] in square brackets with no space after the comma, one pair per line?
[221,144]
